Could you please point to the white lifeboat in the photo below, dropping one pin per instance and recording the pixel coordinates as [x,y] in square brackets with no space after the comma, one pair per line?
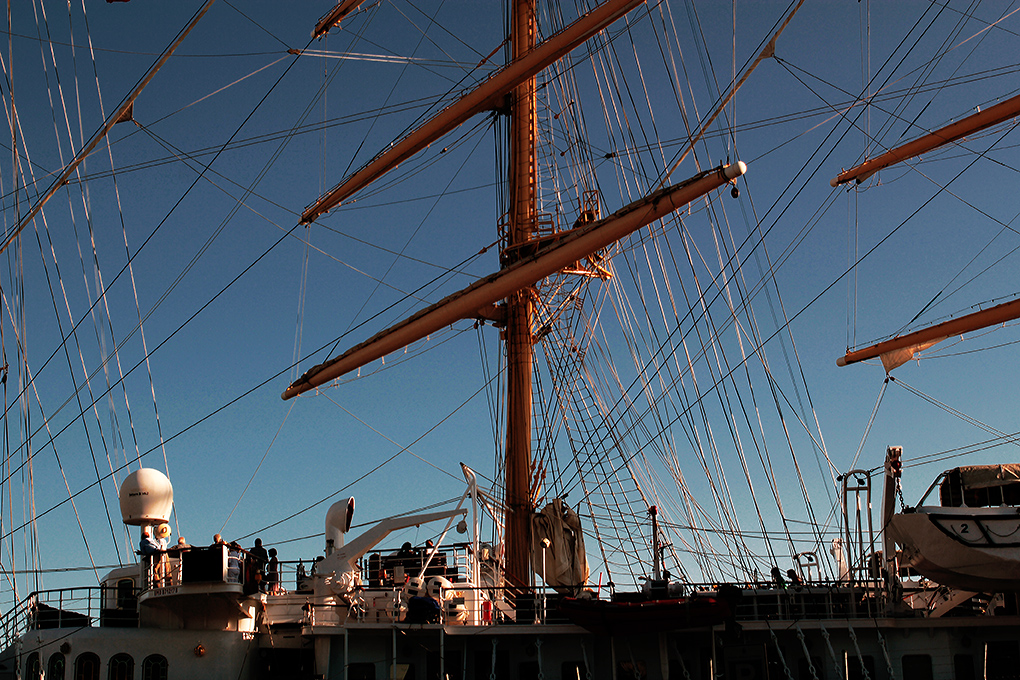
[971,540]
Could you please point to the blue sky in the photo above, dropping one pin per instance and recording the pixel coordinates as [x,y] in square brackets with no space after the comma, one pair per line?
[364,257]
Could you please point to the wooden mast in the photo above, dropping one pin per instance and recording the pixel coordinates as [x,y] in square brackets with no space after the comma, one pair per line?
[521,223]
[523,262]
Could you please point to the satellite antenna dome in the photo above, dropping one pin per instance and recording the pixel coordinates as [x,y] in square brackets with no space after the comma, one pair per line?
[146,497]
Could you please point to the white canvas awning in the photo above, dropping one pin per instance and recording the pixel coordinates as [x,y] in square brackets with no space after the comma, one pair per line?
[985,476]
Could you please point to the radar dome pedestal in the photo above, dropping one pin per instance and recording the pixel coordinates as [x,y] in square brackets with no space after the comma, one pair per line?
[146,497]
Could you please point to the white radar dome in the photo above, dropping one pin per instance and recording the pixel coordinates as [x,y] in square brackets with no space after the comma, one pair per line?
[146,497]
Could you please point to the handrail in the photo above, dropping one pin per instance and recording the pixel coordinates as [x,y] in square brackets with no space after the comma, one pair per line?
[68,602]
[760,601]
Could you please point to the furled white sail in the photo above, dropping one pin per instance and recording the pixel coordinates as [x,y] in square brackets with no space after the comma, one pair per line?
[558,555]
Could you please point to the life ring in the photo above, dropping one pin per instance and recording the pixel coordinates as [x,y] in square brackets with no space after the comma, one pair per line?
[415,587]
[455,609]
[437,587]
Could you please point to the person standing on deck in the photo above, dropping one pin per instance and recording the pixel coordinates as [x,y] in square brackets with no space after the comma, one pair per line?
[152,550]
[259,557]
[148,546]
[273,573]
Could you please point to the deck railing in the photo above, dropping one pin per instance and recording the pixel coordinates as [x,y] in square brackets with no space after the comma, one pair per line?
[470,605]
[60,608]
[751,602]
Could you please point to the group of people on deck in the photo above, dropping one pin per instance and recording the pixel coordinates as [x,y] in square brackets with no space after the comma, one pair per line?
[268,566]
[262,568]
[153,548]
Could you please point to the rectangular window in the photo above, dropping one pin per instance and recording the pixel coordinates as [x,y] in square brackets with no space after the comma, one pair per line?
[964,668]
[853,667]
[917,667]
[1002,659]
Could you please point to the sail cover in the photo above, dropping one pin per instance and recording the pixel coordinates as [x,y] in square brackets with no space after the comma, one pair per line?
[561,562]
[897,357]
[985,476]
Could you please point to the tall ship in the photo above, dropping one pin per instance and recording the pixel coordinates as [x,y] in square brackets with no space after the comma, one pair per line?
[616,340]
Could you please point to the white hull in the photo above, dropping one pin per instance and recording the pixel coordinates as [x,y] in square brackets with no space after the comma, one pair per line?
[829,628]
[975,549]
[206,654]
